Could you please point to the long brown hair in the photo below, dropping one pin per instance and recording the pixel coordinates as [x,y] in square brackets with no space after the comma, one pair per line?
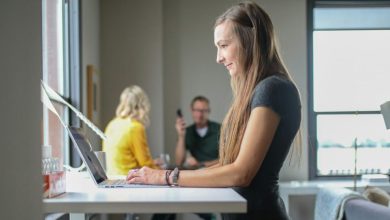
[260,58]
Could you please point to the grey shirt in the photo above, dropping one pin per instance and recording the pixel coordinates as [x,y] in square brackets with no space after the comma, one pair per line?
[262,195]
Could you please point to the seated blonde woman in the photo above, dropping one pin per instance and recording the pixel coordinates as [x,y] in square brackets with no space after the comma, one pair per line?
[126,145]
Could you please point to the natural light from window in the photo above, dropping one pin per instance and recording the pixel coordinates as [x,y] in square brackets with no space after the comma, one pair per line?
[351,70]
[351,74]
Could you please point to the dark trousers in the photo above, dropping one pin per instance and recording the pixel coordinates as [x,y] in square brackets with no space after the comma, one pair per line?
[205,216]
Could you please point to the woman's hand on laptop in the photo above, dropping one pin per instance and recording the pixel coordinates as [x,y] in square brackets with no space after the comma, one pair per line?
[146,175]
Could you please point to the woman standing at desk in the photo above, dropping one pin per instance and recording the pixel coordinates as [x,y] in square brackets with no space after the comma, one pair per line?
[126,145]
[261,123]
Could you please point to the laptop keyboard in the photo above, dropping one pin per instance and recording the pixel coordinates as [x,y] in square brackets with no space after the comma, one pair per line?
[117,182]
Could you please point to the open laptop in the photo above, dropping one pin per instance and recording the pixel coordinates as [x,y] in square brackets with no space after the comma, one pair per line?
[94,167]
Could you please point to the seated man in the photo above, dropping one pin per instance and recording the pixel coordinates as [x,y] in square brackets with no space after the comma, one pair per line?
[200,139]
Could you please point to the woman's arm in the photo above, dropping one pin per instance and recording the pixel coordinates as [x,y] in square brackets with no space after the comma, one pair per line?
[258,136]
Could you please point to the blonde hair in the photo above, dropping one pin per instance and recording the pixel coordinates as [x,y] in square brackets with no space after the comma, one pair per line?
[260,58]
[134,103]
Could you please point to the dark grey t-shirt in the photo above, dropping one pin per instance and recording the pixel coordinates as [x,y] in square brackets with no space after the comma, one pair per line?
[280,95]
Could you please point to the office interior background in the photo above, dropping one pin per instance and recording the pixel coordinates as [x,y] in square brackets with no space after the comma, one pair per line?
[165,46]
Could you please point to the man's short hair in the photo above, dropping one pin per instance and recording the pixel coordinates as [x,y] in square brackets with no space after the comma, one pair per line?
[201,99]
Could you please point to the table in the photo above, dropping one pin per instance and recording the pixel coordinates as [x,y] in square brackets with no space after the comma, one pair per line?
[82,196]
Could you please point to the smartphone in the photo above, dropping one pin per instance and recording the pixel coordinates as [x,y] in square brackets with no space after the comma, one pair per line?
[178,113]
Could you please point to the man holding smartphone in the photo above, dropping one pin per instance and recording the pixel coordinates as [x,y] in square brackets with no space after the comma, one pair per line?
[200,139]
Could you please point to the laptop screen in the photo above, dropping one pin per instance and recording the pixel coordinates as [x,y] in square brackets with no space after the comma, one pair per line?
[86,153]
[82,145]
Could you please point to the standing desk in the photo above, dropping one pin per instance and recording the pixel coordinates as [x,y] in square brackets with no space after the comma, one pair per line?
[82,196]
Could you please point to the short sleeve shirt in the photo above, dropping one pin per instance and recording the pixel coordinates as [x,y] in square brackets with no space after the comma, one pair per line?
[203,148]
[280,95]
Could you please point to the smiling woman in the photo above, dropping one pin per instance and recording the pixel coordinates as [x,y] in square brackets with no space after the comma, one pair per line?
[261,123]
[228,47]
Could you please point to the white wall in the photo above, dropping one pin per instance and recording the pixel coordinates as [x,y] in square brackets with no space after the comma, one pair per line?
[190,66]
[21,109]
[131,53]
[290,22]
[90,55]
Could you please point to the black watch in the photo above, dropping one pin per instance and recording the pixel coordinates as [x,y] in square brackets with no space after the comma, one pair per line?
[175,177]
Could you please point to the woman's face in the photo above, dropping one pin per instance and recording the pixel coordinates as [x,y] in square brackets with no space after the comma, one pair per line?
[227,47]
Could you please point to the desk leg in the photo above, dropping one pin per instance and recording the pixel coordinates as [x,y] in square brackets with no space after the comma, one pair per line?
[76,216]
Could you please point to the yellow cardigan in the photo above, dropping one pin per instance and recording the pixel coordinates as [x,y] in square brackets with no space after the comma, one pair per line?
[126,146]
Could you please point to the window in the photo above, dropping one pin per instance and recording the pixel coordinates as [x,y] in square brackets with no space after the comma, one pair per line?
[54,74]
[60,70]
[349,79]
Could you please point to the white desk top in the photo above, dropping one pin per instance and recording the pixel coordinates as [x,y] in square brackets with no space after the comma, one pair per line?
[83,196]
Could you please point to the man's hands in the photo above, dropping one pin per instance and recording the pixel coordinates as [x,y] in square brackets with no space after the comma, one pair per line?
[180,127]
[191,161]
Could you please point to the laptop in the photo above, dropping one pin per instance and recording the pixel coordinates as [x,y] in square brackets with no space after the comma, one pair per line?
[83,146]
[94,167]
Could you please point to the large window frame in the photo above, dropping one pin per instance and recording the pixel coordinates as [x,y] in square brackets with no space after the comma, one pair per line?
[312,129]
[74,64]
[61,71]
